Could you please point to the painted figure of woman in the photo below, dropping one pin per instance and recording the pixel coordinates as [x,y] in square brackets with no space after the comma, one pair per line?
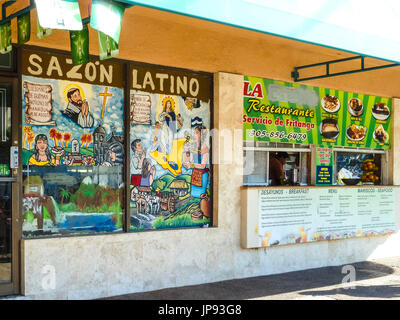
[148,173]
[116,154]
[41,156]
[169,117]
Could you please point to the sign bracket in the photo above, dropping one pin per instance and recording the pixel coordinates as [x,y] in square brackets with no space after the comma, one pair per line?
[4,6]
[296,75]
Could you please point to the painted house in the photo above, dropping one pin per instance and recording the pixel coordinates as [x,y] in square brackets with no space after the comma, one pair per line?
[179,187]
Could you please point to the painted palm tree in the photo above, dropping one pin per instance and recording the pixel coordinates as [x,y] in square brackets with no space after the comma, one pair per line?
[53,135]
[59,137]
[83,139]
[64,195]
[67,138]
[88,139]
[30,139]
[27,130]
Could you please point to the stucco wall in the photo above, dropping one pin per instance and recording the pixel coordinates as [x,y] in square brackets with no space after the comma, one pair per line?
[105,265]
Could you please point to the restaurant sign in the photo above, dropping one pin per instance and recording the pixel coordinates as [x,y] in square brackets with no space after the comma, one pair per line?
[279,111]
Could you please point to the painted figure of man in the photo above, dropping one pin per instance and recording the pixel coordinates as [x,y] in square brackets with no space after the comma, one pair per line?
[136,164]
[201,153]
[77,109]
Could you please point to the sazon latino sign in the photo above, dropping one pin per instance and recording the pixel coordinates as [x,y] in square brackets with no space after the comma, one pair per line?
[279,111]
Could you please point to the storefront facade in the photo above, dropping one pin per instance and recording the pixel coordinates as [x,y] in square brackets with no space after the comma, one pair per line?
[85,243]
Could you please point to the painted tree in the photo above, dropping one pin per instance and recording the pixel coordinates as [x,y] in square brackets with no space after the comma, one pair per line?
[67,138]
[53,135]
[27,130]
[83,139]
[30,139]
[88,139]
[59,137]
[64,195]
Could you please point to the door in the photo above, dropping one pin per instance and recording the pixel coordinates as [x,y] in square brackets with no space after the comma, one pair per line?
[9,188]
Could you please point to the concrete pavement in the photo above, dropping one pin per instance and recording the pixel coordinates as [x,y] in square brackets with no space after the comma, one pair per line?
[377,279]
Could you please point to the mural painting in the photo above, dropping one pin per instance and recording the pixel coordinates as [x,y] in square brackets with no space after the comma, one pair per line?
[72,150]
[170,169]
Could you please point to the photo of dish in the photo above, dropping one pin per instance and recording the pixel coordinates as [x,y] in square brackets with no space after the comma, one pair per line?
[329,128]
[355,107]
[330,104]
[380,111]
[356,133]
[380,135]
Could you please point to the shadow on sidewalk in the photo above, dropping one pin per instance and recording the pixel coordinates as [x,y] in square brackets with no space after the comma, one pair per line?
[384,292]
[251,288]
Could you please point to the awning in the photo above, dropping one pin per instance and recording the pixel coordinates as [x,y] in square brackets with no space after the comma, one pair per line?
[365,27]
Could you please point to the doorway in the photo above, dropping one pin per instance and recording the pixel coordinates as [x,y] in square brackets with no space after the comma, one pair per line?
[10,183]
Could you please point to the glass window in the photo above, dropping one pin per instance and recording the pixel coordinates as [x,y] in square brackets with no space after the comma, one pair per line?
[72,157]
[255,167]
[269,166]
[359,168]
[171,175]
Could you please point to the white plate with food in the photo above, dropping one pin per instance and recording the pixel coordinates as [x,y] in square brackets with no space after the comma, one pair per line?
[355,107]
[356,133]
[380,135]
[380,111]
[57,151]
[329,128]
[330,104]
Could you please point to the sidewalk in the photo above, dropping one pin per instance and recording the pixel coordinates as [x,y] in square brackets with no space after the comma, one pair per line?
[377,279]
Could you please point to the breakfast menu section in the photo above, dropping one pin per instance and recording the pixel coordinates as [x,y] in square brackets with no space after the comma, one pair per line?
[289,216]
[285,215]
[280,111]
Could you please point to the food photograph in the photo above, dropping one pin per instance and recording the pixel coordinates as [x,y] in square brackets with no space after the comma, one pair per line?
[356,133]
[330,104]
[380,135]
[355,107]
[380,111]
[329,128]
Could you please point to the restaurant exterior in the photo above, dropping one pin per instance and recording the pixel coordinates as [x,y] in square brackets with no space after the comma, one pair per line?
[152,169]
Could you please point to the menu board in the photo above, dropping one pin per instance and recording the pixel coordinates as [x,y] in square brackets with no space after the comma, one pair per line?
[324,166]
[280,111]
[289,216]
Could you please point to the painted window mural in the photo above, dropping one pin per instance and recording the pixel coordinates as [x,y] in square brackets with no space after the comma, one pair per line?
[170,149]
[72,146]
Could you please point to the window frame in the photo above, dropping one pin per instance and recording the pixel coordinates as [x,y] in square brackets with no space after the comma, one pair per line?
[126,86]
[384,164]
[276,147]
